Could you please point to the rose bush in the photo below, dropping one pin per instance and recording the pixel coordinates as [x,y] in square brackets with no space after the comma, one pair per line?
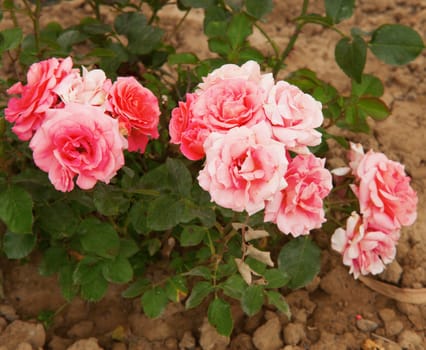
[217,165]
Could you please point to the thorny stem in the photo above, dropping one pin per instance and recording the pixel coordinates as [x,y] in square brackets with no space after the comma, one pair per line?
[35,18]
[292,41]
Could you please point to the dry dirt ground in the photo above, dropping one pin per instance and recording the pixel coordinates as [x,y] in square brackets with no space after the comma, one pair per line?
[335,312]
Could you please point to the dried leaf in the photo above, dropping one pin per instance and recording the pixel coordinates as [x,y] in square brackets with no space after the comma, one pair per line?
[255,234]
[244,270]
[259,255]
[405,295]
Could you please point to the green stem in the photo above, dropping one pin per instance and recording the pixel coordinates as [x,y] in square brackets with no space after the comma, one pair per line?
[269,40]
[292,41]
[35,18]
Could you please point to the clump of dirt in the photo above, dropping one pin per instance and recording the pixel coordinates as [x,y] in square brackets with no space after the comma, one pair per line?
[335,311]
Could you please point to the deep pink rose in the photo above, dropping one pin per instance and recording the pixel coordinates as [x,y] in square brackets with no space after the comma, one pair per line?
[387,201]
[243,168]
[27,111]
[228,104]
[294,116]
[364,249]
[248,71]
[192,141]
[78,140]
[181,118]
[299,207]
[90,88]
[137,111]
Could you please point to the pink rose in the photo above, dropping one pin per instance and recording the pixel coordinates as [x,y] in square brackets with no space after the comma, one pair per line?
[137,110]
[91,88]
[228,104]
[192,141]
[294,116]
[248,71]
[243,168]
[298,208]
[78,140]
[27,111]
[181,117]
[365,250]
[387,201]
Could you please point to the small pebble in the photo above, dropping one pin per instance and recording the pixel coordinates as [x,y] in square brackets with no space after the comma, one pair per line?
[365,325]
[294,333]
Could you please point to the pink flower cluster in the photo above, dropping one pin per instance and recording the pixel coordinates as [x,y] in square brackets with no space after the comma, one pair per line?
[245,125]
[387,202]
[79,124]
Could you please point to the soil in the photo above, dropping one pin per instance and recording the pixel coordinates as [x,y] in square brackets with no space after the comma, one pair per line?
[335,311]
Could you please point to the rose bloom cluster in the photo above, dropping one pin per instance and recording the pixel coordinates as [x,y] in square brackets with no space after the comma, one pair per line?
[387,202]
[79,124]
[254,134]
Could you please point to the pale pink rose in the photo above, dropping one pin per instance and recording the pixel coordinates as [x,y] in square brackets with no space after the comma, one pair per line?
[387,201]
[298,208]
[90,88]
[355,155]
[248,71]
[228,104]
[78,140]
[365,250]
[137,111]
[243,168]
[181,118]
[294,116]
[27,111]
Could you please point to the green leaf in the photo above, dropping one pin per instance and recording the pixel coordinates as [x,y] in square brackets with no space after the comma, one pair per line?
[197,3]
[396,44]
[154,302]
[220,317]
[142,38]
[164,212]
[16,207]
[275,298]
[10,39]
[299,259]
[66,282]
[339,10]
[110,201]
[259,8]
[128,248]
[219,46]
[18,246]
[252,300]
[138,215]
[176,288]
[87,270]
[180,176]
[182,58]
[316,19]
[136,288]
[53,259]
[276,278]
[192,235]
[198,293]
[58,219]
[351,56]
[374,107]
[239,29]
[95,290]
[234,287]
[99,238]
[200,271]
[118,270]
[70,37]
[369,86]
